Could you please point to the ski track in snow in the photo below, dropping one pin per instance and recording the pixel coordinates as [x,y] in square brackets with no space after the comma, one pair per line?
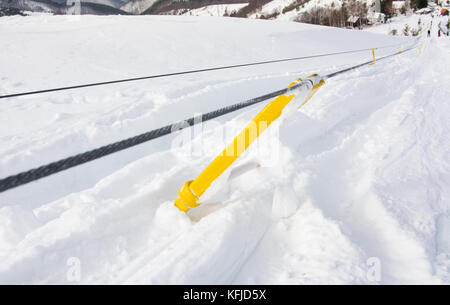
[361,171]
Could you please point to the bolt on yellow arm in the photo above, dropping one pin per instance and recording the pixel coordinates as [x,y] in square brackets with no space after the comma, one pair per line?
[190,192]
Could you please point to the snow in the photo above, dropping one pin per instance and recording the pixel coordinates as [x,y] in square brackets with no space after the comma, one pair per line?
[279,5]
[414,22]
[398,4]
[137,6]
[359,175]
[216,10]
[274,6]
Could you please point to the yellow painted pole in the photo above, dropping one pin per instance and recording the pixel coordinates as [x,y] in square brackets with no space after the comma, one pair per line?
[190,192]
[373,57]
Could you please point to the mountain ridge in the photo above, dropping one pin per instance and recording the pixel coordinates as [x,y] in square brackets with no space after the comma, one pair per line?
[91,7]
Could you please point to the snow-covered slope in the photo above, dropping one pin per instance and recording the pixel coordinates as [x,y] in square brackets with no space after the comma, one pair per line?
[280,7]
[30,5]
[94,7]
[216,10]
[137,6]
[358,176]
[275,9]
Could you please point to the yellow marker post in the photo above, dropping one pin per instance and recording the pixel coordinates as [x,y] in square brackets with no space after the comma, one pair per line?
[190,192]
[373,57]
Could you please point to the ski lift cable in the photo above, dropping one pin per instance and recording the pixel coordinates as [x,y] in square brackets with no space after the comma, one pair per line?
[72,161]
[186,72]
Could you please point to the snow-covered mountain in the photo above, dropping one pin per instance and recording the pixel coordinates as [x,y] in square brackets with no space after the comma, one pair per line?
[275,9]
[46,6]
[92,7]
[214,10]
[137,6]
[112,3]
[263,9]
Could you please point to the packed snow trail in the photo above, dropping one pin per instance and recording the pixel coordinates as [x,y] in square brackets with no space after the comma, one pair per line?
[361,172]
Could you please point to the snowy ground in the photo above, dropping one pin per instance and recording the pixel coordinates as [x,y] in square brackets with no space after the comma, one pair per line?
[279,5]
[359,176]
[414,22]
[216,10]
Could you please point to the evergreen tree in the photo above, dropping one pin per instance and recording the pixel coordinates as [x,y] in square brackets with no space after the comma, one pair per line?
[418,4]
[386,7]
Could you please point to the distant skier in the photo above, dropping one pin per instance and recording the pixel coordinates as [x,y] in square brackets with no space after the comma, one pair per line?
[439,33]
[429,33]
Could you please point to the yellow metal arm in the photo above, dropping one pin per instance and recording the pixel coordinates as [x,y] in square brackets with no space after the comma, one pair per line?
[190,192]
